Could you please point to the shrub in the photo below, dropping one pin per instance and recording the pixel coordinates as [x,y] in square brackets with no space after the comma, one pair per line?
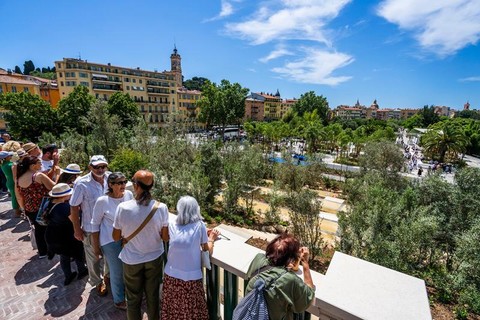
[128,162]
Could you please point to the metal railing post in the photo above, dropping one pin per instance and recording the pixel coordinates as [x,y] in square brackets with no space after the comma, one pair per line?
[230,294]
[213,289]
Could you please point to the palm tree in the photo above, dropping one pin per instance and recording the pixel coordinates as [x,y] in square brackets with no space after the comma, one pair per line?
[444,139]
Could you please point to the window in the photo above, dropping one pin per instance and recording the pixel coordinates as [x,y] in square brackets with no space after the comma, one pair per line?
[60,74]
[126,79]
[134,80]
[14,89]
[128,87]
[85,84]
[1,89]
[61,83]
[70,74]
[71,83]
[83,75]
[105,97]
[140,81]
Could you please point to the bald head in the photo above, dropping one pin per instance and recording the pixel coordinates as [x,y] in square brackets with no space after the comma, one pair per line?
[145,179]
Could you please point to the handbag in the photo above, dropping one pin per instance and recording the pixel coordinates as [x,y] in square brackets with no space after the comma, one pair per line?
[205,257]
[147,219]
[43,211]
[33,240]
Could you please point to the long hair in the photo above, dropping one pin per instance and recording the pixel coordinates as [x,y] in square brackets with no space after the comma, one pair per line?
[112,178]
[283,250]
[25,164]
[188,210]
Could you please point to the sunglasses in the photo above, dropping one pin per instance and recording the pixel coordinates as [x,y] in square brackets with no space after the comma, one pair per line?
[99,167]
[120,182]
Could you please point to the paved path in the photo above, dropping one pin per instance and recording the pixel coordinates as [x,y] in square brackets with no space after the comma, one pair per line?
[32,288]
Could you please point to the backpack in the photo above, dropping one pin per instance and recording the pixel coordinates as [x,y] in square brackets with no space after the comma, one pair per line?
[254,306]
[43,211]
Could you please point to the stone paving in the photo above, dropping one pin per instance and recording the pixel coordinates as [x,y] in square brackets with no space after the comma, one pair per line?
[32,288]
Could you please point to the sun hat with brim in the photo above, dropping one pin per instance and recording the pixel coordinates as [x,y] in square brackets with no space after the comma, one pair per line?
[98,159]
[72,168]
[21,153]
[5,154]
[29,146]
[60,190]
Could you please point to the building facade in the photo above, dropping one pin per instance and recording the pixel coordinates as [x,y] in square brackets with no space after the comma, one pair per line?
[266,107]
[154,92]
[188,110]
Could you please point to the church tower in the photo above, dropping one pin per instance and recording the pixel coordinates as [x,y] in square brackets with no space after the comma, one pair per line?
[176,66]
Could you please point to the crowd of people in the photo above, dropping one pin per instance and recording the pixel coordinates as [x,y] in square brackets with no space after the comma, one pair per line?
[116,237]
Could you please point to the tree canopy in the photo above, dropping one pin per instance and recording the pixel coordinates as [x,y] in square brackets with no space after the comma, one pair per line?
[122,105]
[28,67]
[196,83]
[310,101]
[28,115]
[74,109]
[222,104]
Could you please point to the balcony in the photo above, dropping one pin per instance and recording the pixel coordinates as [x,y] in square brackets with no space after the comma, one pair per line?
[351,288]
[163,91]
[108,87]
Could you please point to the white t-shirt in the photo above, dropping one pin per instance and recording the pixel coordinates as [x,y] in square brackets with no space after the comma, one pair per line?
[104,213]
[184,260]
[46,165]
[147,245]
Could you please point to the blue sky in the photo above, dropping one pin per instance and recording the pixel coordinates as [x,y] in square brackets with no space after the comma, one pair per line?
[404,53]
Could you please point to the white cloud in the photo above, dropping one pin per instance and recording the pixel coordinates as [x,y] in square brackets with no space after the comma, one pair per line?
[291,19]
[442,27]
[470,79]
[226,10]
[279,51]
[316,67]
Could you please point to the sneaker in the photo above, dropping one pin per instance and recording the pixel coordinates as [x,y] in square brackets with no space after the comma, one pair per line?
[121,305]
[70,278]
[101,289]
[82,274]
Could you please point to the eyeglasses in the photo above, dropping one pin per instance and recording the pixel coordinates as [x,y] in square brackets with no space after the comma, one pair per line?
[120,182]
[99,167]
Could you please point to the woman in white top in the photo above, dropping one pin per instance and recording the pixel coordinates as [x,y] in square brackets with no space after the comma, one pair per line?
[183,296]
[102,220]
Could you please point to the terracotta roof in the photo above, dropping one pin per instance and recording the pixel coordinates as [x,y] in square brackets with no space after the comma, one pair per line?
[15,80]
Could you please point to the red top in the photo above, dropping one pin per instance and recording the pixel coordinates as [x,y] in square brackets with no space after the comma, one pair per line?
[33,194]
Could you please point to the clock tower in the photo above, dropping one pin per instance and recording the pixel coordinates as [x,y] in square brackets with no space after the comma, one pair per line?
[176,67]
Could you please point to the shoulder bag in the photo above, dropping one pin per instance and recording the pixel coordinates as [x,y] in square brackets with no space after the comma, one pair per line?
[144,223]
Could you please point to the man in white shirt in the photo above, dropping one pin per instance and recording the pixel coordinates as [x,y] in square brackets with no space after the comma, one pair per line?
[142,255]
[50,158]
[86,191]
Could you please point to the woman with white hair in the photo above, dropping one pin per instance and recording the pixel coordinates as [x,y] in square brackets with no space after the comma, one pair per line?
[183,296]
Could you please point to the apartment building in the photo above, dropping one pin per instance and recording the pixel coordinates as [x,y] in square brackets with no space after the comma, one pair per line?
[266,106]
[188,110]
[154,92]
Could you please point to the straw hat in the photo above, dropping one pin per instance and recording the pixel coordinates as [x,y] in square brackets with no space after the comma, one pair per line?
[29,146]
[72,168]
[60,190]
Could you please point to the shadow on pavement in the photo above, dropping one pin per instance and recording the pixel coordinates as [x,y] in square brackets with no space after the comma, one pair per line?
[34,270]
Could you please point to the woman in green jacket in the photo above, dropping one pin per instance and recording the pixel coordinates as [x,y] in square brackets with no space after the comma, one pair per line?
[6,157]
[288,294]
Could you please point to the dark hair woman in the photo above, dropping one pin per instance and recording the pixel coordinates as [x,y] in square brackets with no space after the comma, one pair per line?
[102,222]
[33,186]
[288,294]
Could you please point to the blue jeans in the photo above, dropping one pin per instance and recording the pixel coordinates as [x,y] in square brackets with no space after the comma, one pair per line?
[111,251]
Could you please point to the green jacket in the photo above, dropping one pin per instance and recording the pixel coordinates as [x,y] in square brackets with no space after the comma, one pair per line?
[289,294]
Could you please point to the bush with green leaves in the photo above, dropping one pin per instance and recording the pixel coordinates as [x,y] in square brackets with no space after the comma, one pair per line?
[128,162]
[304,209]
